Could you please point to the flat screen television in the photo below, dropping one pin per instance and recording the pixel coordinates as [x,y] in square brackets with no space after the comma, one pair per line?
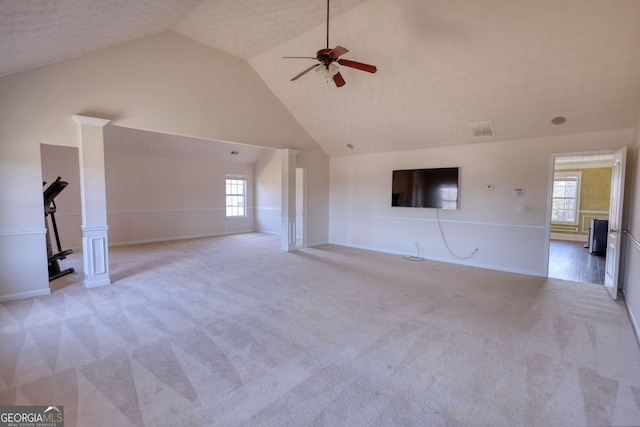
[425,188]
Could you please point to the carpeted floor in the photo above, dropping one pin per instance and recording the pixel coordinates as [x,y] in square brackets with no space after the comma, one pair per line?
[232,331]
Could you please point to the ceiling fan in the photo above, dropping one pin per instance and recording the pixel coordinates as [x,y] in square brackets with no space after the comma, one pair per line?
[326,62]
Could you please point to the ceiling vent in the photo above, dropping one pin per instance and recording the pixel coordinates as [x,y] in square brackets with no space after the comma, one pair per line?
[481,129]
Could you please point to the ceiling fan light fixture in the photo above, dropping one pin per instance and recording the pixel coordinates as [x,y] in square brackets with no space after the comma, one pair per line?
[328,71]
[326,58]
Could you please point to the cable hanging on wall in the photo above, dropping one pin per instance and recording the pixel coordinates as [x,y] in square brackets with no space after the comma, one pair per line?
[447,244]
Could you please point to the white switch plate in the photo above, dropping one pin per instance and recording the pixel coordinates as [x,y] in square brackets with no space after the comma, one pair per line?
[519,208]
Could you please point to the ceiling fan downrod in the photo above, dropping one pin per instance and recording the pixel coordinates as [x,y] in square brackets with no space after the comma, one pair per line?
[327,24]
[326,62]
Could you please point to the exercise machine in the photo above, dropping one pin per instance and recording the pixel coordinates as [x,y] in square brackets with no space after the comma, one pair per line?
[51,193]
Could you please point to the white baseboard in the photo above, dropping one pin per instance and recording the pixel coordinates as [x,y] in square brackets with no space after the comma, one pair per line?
[170,239]
[449,260]
[632,318]
[25,295]
[314,244]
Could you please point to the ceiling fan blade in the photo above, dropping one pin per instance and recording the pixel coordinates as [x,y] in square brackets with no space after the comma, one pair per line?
[358,65]
[337,51]
[304,72]
[338,80]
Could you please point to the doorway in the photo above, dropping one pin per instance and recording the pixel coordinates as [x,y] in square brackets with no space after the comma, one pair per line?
[579,214]
[65,231]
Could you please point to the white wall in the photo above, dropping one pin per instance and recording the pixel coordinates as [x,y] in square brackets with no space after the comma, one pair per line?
[155,198]
[300,206]
[362,216]
[268,201]
[631,273]
[268,173]
[166,83]
[149,197]
[316,192]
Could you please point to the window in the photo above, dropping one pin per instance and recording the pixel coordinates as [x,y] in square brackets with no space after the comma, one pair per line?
[566,197]
[236,197]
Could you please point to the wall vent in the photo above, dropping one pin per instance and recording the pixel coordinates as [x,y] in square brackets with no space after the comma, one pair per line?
[481,129]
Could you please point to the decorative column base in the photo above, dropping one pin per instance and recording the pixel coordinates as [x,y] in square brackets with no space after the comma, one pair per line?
[95,254]
[288,233]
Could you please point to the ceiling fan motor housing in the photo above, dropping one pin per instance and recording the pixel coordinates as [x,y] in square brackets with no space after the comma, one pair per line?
[328,56]
[324,57]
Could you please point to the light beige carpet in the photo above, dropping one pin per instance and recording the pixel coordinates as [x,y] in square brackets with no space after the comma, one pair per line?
[232,331]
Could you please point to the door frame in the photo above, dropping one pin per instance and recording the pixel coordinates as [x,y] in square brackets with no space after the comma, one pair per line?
[615,235]
[552,163]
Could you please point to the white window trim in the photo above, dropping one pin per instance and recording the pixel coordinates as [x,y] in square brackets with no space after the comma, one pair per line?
[578,178]
[236,177]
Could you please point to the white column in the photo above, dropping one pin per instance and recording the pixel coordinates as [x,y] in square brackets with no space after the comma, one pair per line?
[288,210]
[95,243]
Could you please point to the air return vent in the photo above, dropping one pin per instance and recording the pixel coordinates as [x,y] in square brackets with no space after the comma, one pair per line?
[481,129]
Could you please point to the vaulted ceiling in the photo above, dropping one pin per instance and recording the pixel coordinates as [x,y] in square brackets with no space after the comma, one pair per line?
[441,63]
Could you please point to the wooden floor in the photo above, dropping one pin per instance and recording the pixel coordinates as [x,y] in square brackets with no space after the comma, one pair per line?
[572,261]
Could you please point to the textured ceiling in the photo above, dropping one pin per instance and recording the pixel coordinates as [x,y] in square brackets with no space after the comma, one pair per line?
[247,28]
[135,141]
[37,32]
[441,63]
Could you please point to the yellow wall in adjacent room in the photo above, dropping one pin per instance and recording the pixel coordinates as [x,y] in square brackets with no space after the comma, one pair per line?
[595,189]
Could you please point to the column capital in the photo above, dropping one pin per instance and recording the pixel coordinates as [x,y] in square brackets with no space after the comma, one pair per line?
[90,121]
